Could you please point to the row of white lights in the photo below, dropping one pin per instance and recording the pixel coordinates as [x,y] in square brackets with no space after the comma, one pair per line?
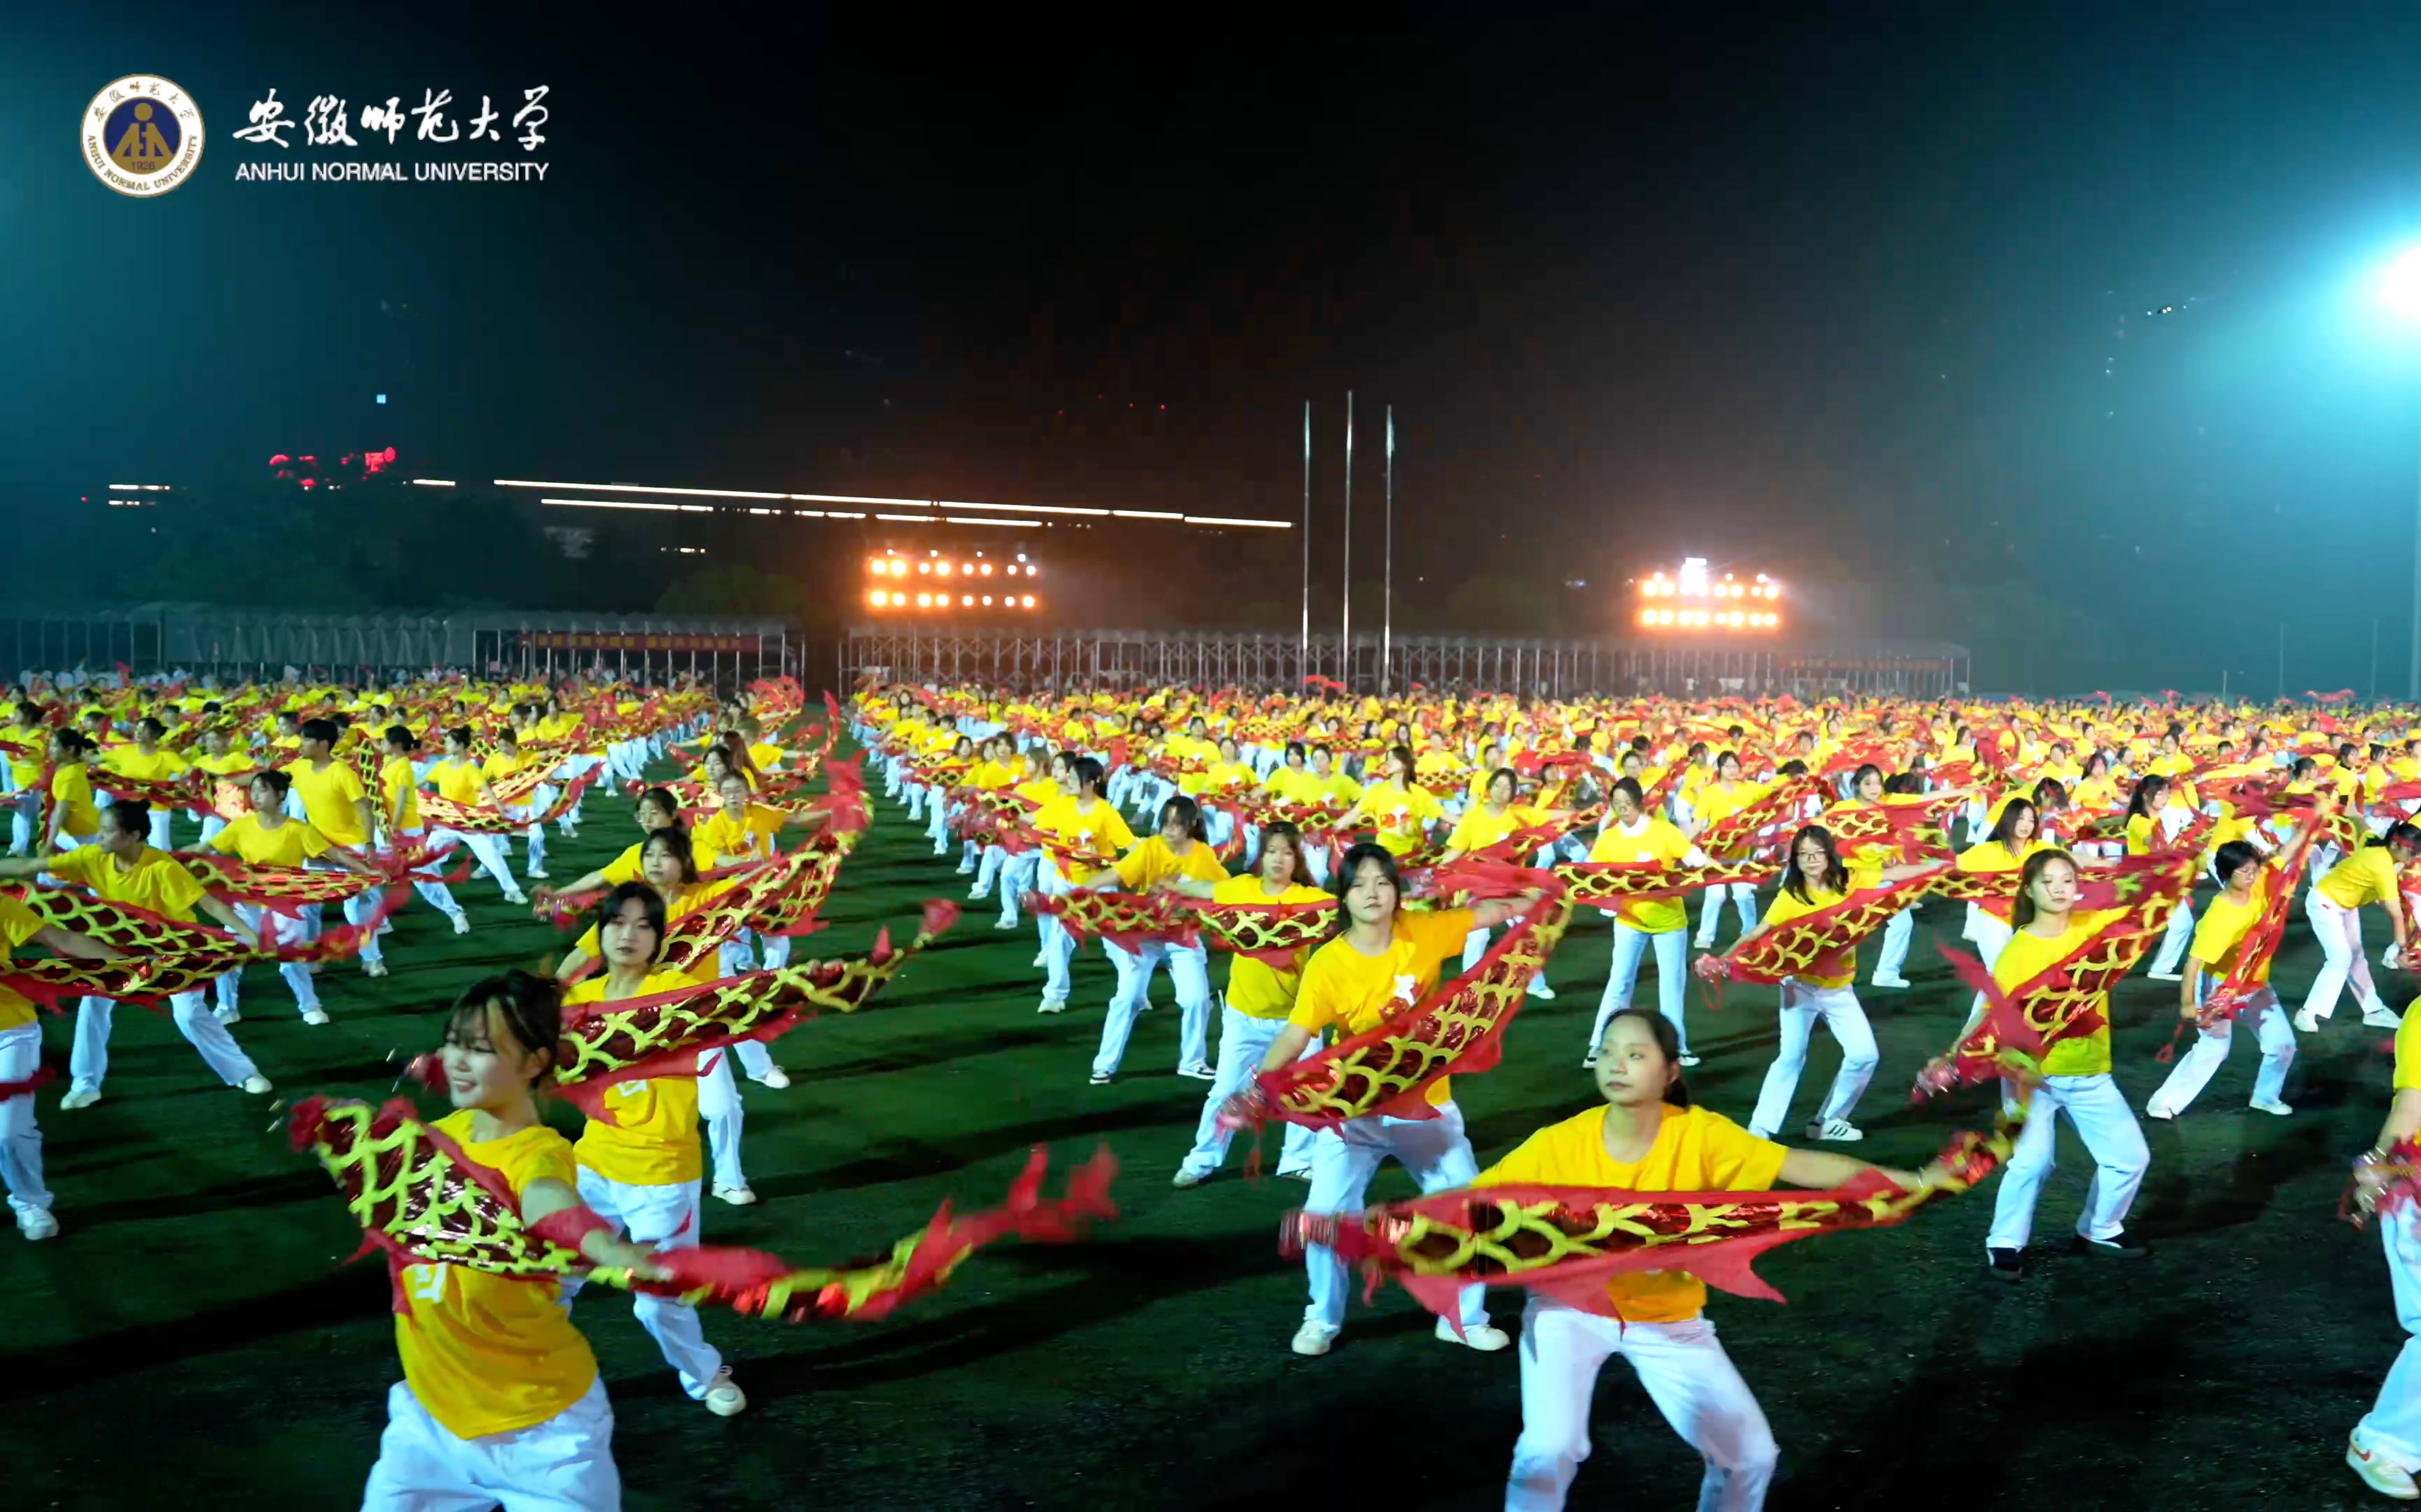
[1659,587]
[880,598]
[1693,619]
[139,488]
[936,506]
[897,567]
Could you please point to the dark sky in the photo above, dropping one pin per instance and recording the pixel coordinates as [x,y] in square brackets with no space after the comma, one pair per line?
[1856,293]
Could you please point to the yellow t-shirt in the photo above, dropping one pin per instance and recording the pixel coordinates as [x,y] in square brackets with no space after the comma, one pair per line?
[2367,876]
[456,779]
[292,844]
[723,841]
[1096,834]
[1151,860]
[1786,907]
[622,869]
[71,793]
[2028,953]
[395,778]
[19,924]
[653,1140]
[1349,992]
[331,797]
[1478,829]
[157,880]
[1256,989]
[2218,935]
[487,1353]
[1295,785]
[129,762]
[2408,1051]
[1400,816]
[1696,1150]
[1657,840]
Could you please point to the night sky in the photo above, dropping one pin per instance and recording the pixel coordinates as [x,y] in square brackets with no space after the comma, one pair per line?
[2053,333]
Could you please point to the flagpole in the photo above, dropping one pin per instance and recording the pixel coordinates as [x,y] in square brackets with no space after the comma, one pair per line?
[1303,666]
[1345,645]
[1387,573]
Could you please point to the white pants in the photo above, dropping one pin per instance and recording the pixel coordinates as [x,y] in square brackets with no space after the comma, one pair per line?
[1672,979]
[2112,1137]
[1894,954]
[2393,1424]
[665,1217]
[2194,1068]
[88,1062]
[1244,1042]
[2175,940]
[436,895]
[1684,1371]
[274,928]
[1991,935]
[1474,945]
[1013,874]
[1744,902]
[489,849]
[718,1107]
[1189,969]
[1436,1151]
[21,1138]
[1058,945]
[2339,931]
[1803,1004]
[564,1464]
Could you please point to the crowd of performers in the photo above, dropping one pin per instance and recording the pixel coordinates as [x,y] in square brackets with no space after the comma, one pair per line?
[1343,851]
[1387,883]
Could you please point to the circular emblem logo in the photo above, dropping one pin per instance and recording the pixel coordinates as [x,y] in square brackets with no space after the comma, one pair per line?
[142,135]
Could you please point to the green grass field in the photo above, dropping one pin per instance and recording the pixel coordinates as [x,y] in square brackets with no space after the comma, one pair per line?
[190,1338]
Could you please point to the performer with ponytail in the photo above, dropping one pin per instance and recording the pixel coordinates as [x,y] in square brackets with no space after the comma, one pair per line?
[2217,942]
[500,1398]
[1178,850]
[2334,906]
[1381,962]
[2154,821]
[1649,1137]
[640,1171]
[121,867]
[2076,1081]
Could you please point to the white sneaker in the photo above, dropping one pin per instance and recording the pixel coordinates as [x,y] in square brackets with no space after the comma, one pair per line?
[737,1197]
[2269,1105]
[538,874]
[1588,1062]
[517,897]
[1186,1177]
[2377,1472]
[2383,1018]
[1484,1337]
[1314,1337]
[374,968]
[1688,1059]
[724,1397]
[1051,1005]
[976,895]
[2168,977]
[1003,923]
[462,923]
[1543,993]
[1199,1073]
[2153,1110]
[2306,1022]
[226,1013]
[256,1085]
[774,1077]
[85,1097]
[315,1017]
[1099,1079]
[1835,1130]
[1890,981]
[965,869]
[1041,959]
[36,1224]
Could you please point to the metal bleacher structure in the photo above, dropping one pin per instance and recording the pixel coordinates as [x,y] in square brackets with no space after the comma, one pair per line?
[253,643]
[1279,660]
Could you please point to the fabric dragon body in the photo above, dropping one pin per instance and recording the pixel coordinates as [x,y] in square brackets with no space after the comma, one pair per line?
[420,1199]
[1565,1242]
[159,957]
[1816,943]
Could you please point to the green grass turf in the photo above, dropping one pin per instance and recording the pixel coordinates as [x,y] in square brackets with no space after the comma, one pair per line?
[190,1338]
